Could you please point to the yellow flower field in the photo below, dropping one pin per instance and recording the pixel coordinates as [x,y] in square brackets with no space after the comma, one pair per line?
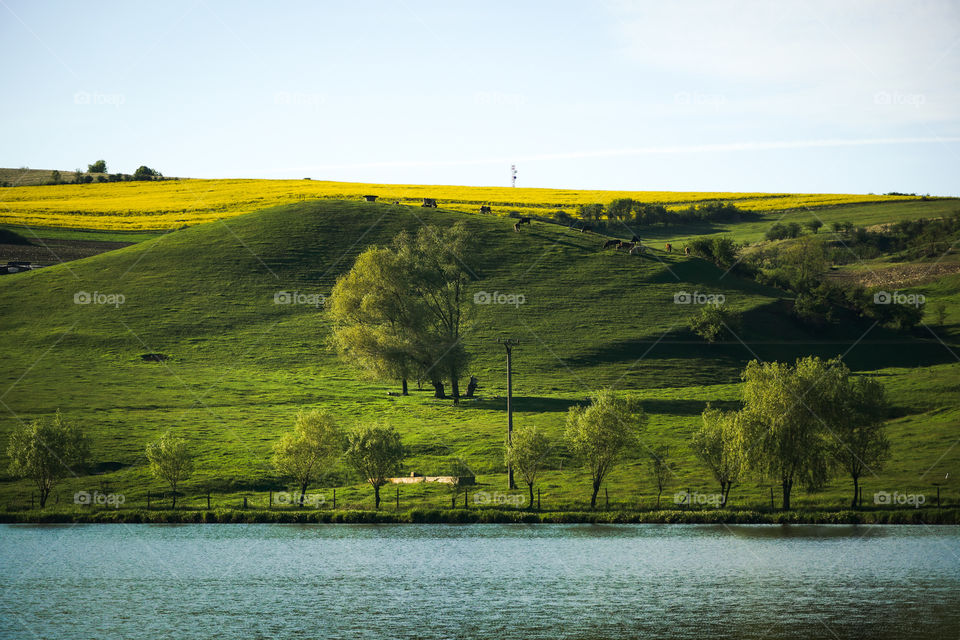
[174,203]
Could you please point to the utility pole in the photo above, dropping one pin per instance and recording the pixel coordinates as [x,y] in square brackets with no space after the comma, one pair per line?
[508,344]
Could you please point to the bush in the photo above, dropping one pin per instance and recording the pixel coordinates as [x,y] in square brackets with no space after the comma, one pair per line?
[780,231]
[715,321]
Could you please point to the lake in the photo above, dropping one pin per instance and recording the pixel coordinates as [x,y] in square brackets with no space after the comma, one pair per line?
[479,581]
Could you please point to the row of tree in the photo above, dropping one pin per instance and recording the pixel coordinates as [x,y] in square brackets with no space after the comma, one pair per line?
[800,424]
[99,169]
[645,213]
[47,451]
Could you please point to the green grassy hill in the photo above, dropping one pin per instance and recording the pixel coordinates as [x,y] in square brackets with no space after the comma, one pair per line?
[241,366]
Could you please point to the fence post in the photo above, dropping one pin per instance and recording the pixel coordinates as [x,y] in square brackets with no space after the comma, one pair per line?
[398,498]
[334,497]
[208,499]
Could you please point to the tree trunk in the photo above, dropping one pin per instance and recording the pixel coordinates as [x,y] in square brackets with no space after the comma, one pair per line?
[174,492]
[726,493]
[303,493]
[44,494]
[530,506]
[376,496]
[659,491]
[856,491]
[455,387]
[438,390]
[593,498]
[787,486]
[405,392]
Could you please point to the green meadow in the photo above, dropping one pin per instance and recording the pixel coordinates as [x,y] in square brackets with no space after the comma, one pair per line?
[240,365]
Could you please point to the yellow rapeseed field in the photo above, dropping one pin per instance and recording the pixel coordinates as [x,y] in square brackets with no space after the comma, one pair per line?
[174,203]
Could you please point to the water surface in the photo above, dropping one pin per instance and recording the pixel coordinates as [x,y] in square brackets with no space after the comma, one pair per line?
[479,581]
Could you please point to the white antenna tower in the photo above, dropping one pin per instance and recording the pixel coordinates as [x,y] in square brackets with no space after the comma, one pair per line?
[513,175]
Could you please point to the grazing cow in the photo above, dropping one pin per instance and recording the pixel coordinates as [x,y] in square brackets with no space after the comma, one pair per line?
[485,209]
[686,250]
[610,243]
[635,239]
[516,227]
[429,202]
[624,245]
[669,248]
[524,221]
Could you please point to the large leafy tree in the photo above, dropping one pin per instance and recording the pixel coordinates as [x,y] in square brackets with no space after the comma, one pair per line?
[782,432]
[603,432]
[376,452]
[47,451]
[400,311]
[315,442]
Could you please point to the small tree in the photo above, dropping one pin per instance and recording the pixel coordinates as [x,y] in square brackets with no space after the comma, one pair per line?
[713,445]
[859,444]
[100,166]
[462,478]
[314,442]
[814,225]
[376,453]
[144,172]
[940,310]
[715,321]
[527,451]
[171,460]
[45,452]
[602,432]
[660,468]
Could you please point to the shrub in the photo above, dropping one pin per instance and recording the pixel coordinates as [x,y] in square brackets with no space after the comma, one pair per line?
[715,321]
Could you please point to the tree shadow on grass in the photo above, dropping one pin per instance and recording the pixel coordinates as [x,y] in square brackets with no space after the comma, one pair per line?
[532,404]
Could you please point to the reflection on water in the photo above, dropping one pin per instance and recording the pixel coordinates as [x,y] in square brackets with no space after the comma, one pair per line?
[479,581]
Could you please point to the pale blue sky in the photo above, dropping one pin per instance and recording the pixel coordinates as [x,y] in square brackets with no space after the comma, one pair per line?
[740,96]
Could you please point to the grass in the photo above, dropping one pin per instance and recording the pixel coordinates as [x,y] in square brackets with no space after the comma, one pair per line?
[241,366]
[171,204]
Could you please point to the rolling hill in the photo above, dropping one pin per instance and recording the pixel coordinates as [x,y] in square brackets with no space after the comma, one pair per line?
[241,365]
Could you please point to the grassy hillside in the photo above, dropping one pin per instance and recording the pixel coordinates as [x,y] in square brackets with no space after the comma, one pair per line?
[241,366]
[173,203]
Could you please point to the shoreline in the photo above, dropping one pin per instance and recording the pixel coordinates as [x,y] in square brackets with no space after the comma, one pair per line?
[930,516]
